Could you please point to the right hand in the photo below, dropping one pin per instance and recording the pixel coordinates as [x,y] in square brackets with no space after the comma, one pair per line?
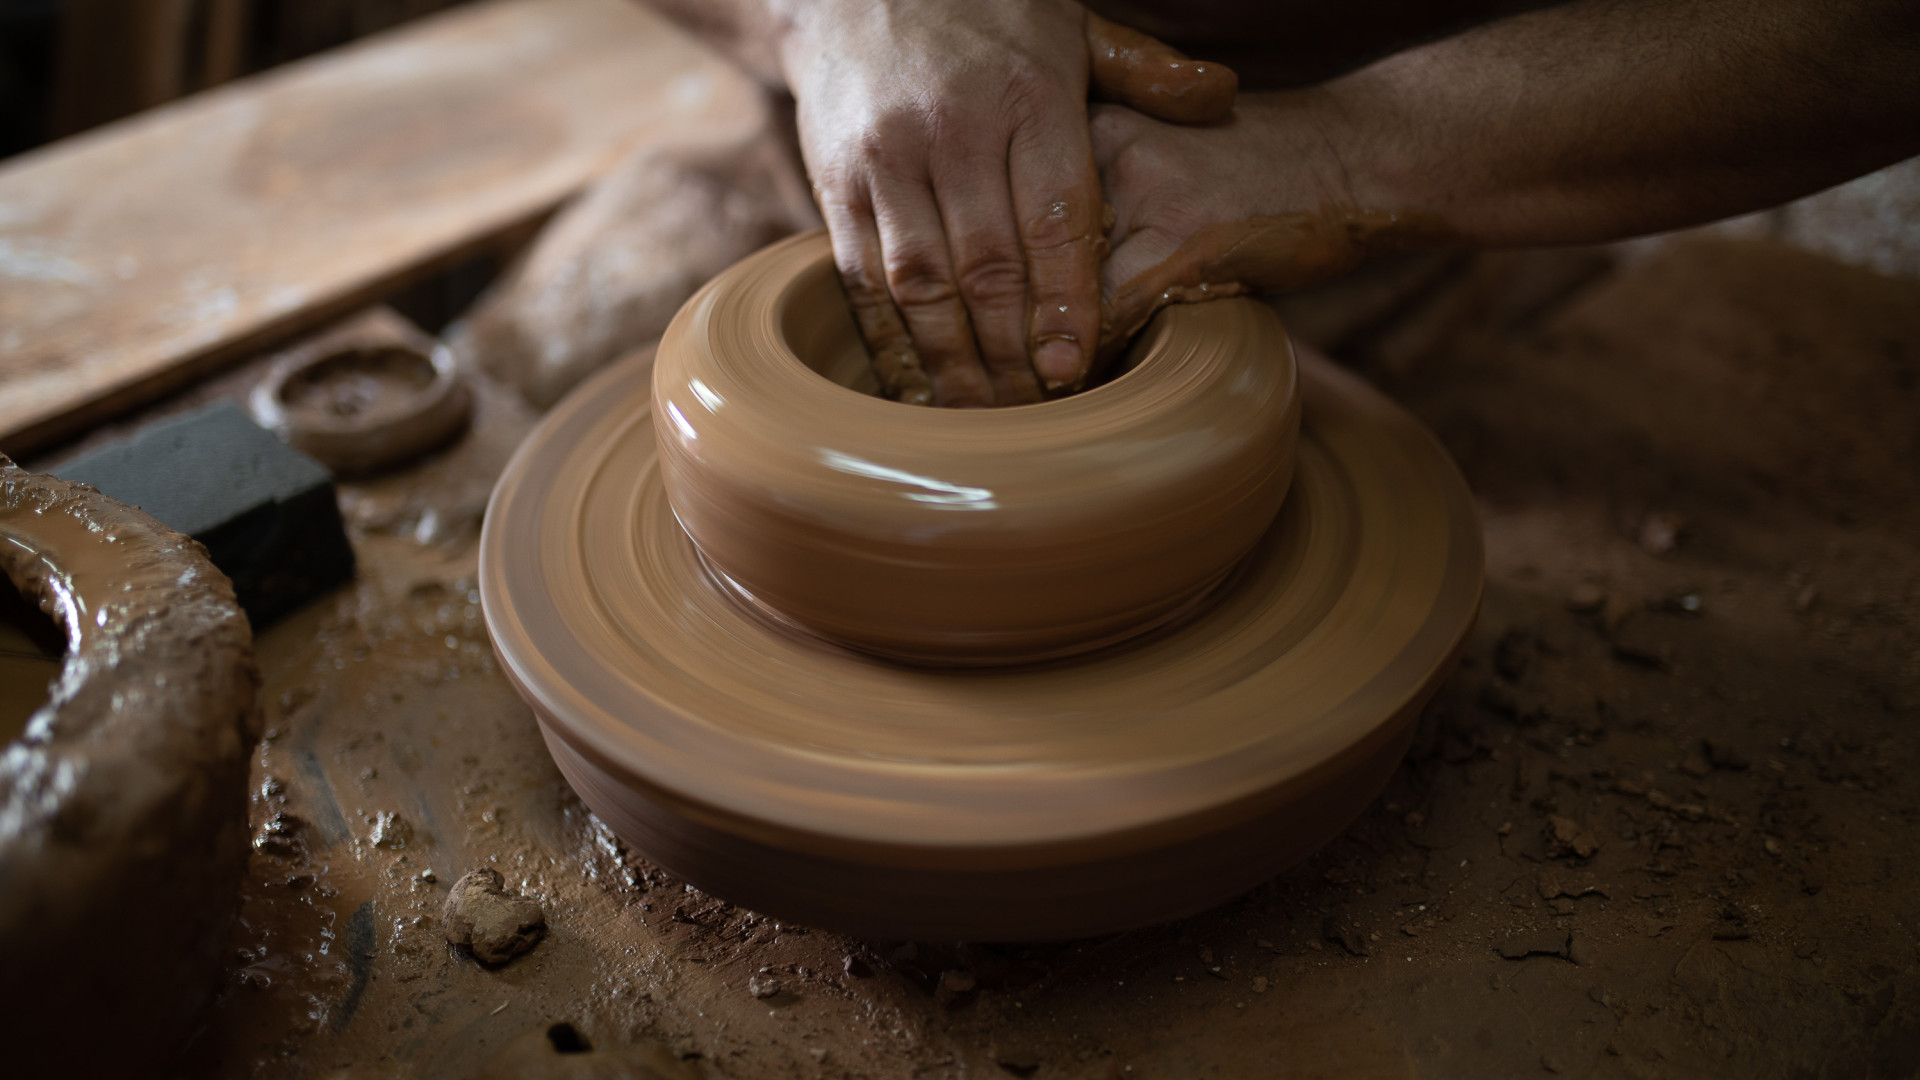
[949,152]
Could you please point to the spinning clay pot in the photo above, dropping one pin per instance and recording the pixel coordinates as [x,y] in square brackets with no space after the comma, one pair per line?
[949,536]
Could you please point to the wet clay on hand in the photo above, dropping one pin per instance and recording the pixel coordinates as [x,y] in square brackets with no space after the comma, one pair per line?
[1271,253]
[826,786]
[1124,66]
[123,804]
[1132,69]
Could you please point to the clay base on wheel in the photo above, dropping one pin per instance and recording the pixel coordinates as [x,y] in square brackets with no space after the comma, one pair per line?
[1155,778]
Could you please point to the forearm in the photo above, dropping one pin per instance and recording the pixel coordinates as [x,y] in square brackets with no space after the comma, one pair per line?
[1609,118]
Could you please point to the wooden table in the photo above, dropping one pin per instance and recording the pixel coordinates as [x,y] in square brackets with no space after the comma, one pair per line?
[143,254]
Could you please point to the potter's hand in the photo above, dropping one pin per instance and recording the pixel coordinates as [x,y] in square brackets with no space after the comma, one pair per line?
[1577,123]
[948,145]
[1257,204]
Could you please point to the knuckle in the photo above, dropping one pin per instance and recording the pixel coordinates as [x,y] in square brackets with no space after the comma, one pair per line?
[1112,128]
[1061,222]
[919,278]
[996,275]
[859,278]
[1028,81]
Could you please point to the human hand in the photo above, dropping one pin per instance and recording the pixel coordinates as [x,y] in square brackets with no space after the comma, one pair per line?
[1277,198]
[949,152]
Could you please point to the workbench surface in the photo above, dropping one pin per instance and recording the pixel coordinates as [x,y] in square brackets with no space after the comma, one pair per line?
[1658,824]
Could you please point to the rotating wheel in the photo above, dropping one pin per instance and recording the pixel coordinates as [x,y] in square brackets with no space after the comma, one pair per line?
[1143,779]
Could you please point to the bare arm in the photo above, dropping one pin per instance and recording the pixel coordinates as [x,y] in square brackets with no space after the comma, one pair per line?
[1590,121]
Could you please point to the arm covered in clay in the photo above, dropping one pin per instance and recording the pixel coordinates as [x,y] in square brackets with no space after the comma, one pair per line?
[948,147]
[1589,121]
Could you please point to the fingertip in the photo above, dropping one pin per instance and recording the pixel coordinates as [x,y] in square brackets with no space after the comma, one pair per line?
[1061,365]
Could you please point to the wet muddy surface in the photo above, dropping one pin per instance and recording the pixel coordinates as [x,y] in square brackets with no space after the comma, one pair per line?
[1659,823]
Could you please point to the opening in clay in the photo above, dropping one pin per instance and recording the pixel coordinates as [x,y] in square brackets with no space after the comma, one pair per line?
[818,326]
[31,650]
[357,383]
[566,1039]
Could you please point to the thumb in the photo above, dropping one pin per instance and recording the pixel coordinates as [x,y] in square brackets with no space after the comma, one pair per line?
[1271,253]
[1135,70]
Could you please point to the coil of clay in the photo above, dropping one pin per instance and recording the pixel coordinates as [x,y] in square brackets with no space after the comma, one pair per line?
[123,806]
[964,536]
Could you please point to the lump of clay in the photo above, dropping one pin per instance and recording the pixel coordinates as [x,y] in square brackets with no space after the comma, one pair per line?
[610,272]
[486,920]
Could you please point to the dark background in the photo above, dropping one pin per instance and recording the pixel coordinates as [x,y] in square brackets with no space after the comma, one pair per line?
[69,65]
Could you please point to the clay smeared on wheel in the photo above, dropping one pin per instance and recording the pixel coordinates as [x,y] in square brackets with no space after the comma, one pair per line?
[1151,778]
[123,804]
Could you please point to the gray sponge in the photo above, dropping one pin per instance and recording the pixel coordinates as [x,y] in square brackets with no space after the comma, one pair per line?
[265,511]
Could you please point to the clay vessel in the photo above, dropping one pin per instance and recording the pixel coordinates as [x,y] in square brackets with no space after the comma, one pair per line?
[964,537]
[123,806]
[828,787]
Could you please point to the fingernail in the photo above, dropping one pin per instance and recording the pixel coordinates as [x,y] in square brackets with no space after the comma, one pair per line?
[1059,363]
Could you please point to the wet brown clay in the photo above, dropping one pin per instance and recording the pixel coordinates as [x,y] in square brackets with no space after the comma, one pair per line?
[1138,71]
[122,805]
[1265,254]
[1131,785]
[964,537]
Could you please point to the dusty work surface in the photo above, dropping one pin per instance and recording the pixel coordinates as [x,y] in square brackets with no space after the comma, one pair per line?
[1659,823]
[158,248]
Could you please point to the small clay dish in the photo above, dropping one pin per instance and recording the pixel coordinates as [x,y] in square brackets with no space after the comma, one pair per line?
[964,537]
[360,406]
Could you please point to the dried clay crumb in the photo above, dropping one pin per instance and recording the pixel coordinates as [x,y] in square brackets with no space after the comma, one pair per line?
[486,920]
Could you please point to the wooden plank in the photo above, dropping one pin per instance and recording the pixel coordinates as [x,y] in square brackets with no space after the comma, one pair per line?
[140,255]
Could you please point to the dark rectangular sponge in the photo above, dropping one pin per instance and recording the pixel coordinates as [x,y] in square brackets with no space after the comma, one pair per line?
[265,511]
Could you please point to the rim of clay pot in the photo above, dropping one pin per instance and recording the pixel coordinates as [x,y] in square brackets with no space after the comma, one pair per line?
[964,537]
[134,769]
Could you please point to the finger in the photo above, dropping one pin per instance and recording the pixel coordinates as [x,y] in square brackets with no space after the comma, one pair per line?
[1056,197]
[1148,270]
[991,270]
[920,277]
[1138,71]
[856,252]
[1113,131]
[1270,253]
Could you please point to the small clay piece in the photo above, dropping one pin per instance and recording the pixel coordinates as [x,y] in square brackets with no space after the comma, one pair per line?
[964,536]
[608,274]
[827,787]
[123,805]
[370,395]
[265,511]
[486,920]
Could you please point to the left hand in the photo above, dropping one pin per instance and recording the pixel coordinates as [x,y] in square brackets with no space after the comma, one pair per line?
[1264,202]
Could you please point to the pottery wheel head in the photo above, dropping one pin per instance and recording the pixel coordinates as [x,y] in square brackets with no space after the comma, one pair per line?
[1151,777]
